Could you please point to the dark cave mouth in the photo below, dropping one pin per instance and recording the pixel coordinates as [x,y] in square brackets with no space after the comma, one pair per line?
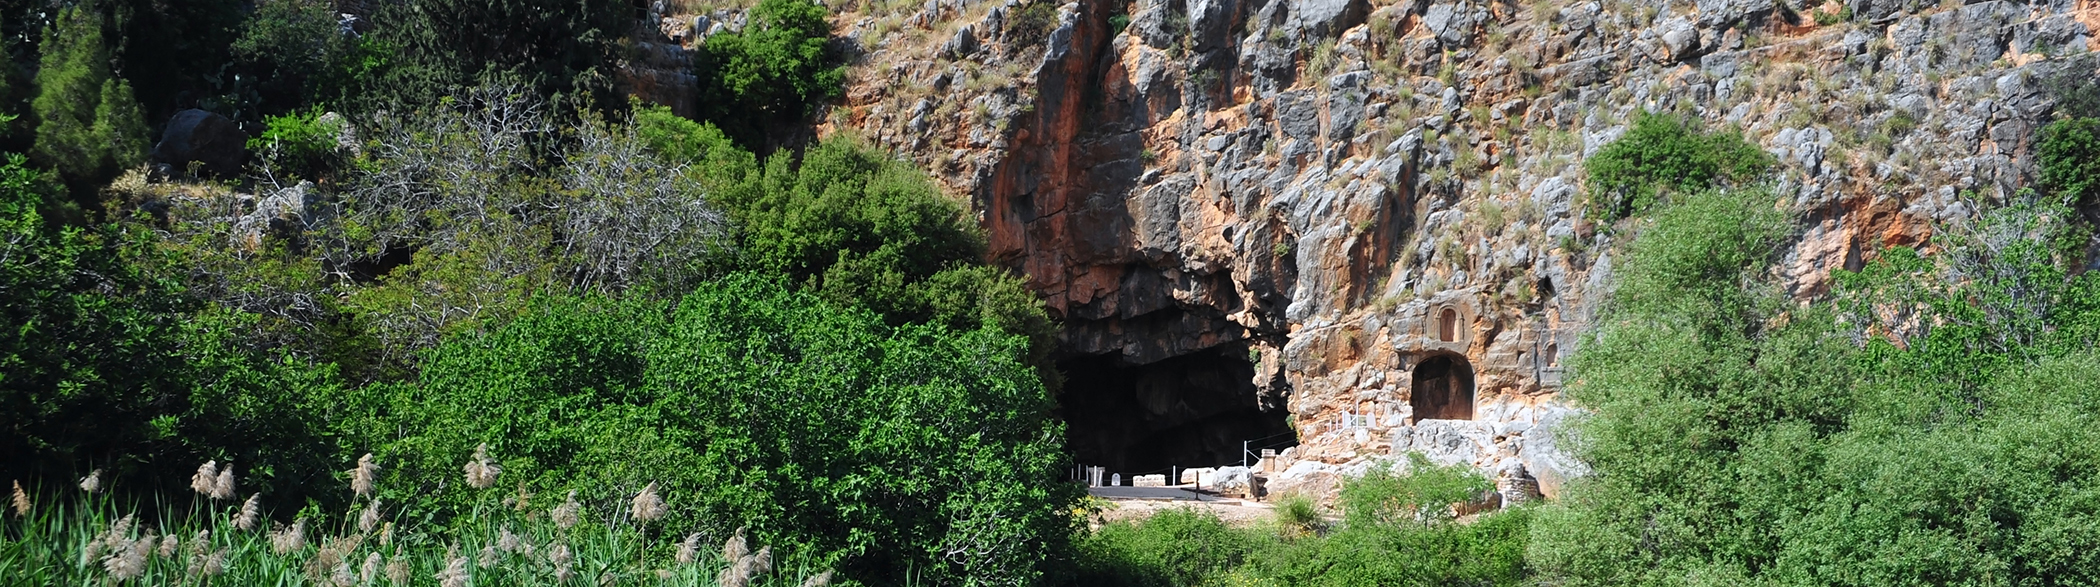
[1194,410]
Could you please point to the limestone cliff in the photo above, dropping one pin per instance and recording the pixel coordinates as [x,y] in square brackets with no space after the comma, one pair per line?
[1361,223]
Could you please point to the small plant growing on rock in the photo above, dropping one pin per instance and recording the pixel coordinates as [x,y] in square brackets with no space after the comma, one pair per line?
[1662,154]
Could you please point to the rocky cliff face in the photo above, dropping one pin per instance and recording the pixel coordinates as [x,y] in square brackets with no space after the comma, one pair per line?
[1361,223]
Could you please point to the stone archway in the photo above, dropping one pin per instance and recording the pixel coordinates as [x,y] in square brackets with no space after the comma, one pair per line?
[1443,389]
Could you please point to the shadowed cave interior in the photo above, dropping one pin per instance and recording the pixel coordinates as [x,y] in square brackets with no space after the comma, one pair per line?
[1188,411]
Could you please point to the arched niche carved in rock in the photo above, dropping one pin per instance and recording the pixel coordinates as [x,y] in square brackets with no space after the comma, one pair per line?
[1443,389]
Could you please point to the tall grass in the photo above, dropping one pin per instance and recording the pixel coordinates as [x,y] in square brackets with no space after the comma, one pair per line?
[87,537]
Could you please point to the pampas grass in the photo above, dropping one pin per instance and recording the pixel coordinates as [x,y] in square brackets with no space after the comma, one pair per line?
[90,539]
[20,502]
[482,471]
[362,477]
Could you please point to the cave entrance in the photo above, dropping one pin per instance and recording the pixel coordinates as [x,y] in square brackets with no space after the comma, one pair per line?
[1443,389]
[1194,410]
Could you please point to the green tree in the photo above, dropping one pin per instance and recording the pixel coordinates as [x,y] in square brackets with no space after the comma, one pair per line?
[120,126]
[774,70]
[69,87]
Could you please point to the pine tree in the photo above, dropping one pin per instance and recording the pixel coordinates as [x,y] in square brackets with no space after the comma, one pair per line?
[75,65]
[121,125]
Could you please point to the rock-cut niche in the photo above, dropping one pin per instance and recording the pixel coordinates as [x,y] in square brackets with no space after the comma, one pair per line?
[1443,389]
[1194,410]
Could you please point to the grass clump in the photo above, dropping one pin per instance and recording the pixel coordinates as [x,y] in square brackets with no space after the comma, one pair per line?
[1662,154]
[89,537]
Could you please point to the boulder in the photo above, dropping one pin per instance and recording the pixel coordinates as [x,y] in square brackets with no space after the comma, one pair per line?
[1320,19]
[203,137]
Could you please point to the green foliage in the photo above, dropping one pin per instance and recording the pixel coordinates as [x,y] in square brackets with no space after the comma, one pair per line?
[1383,544]
[106,365]
[776,69]
[563,50]
[909,450]
[1031,25]
[295,52]
[299,144]
[1423,495]
[120,125]
[1921,428]
[69,86]
[1173,548]
[1662,154]
[2069,156]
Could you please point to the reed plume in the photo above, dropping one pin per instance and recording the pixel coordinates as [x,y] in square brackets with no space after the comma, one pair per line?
[370,570]
[369,519]
[734,548]
[397,569]
[127,559]
[488,557]
[509,542]
[820,580]
[689,550]
[251,513]
[21,501]
[214,565]
[207,475]
[482,471]
[563,560]
[343,577]
[222,487]
[169,546]
[569,513]
[647,505]
[92,482]
[455,573]
[287,540]
[361,478]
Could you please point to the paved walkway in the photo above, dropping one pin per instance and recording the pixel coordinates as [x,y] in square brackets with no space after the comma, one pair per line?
[1151,493]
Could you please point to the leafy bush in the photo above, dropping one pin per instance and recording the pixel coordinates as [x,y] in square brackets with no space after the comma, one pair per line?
[856,226]
[1032,24]
[1381,544]
[774,70]
[1662,154]
[1423,495]
[299,144]
[2069,157]
[107,365]
[1740,438]
[915,450]
[1173,548]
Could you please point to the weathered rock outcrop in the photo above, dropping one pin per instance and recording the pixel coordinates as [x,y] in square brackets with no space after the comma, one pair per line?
[1380,201]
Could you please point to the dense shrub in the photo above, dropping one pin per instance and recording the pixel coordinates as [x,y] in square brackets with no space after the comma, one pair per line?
[105,364]
[774,70]
[1662,154]
[916,450]
[563,50]
[1173,548]
[2069,157]
[1933,435]
[856,225]
[1398,531]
